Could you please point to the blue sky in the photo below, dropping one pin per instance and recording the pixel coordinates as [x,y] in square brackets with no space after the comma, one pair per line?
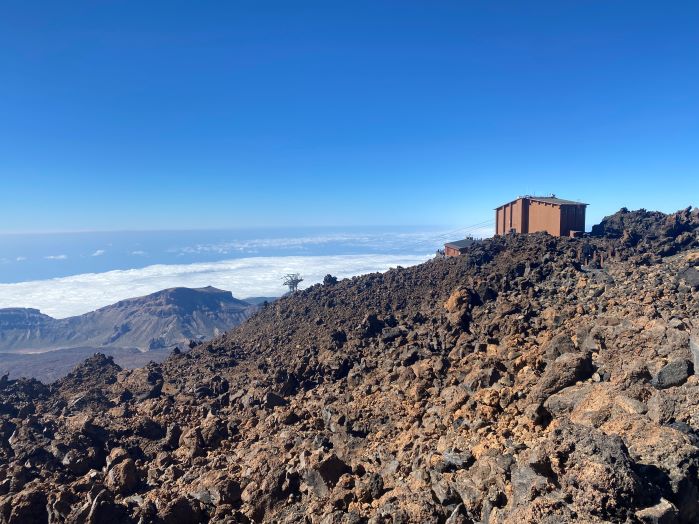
[168,115]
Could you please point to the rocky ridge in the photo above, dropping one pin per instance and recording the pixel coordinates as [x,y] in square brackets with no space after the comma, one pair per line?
[534,379]
[159,320]
[133,331]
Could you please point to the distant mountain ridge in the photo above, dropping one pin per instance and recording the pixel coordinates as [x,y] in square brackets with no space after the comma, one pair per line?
[157,321]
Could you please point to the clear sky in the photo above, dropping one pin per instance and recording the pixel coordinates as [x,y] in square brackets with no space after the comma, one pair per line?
[172,114]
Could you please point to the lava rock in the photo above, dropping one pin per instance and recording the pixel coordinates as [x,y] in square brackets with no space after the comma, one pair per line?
[123,477]
[29,507]
[79,462]
[691,276]
[191,443]
[565,371]
[272,400]
[664,512]
[182,511]
[672,374]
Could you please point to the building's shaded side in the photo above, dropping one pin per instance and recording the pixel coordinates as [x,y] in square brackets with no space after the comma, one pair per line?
[572,219]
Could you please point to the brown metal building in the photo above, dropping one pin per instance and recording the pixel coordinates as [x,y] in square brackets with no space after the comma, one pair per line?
[459,247]
[529,214]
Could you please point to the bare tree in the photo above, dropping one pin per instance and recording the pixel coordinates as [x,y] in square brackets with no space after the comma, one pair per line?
[292,280]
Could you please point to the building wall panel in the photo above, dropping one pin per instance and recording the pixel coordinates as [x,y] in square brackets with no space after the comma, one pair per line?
[517,216]
[544,217]
[499,221]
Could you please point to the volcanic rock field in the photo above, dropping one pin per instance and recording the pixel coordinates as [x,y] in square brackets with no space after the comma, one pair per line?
[532,380]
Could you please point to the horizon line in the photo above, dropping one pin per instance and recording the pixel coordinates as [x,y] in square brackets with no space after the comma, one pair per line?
[228,228]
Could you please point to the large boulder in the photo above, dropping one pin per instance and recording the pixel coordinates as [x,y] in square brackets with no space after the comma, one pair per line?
[28,507]
[565,371]
[690,276]
[182,510]
[589,465]
[674,373]
[122,478]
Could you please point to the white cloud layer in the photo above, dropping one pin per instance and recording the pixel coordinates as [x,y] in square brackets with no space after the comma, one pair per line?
[425,240]
[56,257]
[245,277]
[99,253]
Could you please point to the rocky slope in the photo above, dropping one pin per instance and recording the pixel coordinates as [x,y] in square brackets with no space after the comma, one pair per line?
[532,380]
[163,319]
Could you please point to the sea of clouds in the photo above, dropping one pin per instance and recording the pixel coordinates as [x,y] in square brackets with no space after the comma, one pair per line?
[366,242]
[245,277]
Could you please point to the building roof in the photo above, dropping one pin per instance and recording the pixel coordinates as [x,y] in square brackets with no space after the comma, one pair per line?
[552,199]
[460,244]
[555,200]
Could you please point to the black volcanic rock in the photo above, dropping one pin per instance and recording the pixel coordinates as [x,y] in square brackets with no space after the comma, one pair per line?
[646,225]
[98,369]
[651,232]
[691,276]
[675,373]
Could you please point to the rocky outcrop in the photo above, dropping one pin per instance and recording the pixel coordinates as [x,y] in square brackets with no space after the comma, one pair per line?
[534,379]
